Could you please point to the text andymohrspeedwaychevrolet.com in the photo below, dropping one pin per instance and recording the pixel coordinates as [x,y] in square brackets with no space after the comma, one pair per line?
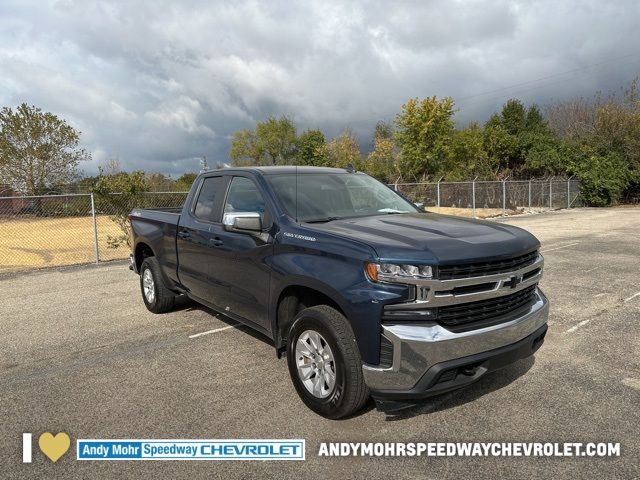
[468,449]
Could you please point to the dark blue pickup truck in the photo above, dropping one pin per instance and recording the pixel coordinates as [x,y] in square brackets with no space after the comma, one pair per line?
[365,293]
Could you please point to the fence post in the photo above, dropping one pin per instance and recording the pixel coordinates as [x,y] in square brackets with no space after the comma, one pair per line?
[473,193]
[504,197]
[550,194]
[569,191]
[529,193]
[95,229]
[439,195]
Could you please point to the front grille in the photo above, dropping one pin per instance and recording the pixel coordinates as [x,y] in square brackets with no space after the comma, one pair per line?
[478,314]
[451,272]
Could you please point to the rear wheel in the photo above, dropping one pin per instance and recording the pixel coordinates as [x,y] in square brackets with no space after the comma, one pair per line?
[324,363]
[157,297]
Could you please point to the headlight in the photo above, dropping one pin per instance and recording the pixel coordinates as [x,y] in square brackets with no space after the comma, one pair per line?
[390,272]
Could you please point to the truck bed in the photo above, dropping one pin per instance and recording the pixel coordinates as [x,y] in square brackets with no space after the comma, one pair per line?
[166,214]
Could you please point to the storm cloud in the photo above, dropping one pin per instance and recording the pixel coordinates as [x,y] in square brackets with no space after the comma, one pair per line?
[158,84]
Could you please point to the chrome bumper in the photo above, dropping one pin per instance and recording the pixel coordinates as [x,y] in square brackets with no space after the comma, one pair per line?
[418,347]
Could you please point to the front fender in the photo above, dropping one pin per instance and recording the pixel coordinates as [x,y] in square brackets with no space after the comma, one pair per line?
[342,279]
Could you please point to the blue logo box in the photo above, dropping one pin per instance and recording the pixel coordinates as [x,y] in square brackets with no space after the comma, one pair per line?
[151,449]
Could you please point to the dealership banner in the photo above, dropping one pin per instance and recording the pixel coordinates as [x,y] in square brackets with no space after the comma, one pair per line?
[94,449]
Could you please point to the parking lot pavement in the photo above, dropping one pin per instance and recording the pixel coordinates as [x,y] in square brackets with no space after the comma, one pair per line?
[79,353]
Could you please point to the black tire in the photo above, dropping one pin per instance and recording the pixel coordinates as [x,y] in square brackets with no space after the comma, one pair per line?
[163,298]
[350,392]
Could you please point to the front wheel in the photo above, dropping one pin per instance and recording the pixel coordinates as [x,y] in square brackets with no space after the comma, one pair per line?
[324,363]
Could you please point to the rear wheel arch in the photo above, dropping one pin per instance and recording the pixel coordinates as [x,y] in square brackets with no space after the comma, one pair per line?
[142,251]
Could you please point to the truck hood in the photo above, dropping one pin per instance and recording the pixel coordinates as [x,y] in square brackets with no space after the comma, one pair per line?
[433,238]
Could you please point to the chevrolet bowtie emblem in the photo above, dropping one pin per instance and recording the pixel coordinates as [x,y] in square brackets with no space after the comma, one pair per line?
[514,281]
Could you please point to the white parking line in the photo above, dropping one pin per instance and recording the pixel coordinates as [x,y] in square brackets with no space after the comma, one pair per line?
[575,327]
[631,297]
[213,331]
[558,248]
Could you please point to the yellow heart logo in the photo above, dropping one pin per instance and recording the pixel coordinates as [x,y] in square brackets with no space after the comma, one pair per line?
[54,447]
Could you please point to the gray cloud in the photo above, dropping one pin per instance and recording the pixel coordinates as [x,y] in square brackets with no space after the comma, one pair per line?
[158,83]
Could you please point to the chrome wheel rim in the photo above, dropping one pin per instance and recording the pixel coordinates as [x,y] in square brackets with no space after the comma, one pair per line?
[316,365]
[148,286]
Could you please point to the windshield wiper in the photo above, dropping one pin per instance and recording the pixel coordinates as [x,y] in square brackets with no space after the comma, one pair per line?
[322,220]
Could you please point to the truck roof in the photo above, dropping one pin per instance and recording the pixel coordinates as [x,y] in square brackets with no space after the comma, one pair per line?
[286,169]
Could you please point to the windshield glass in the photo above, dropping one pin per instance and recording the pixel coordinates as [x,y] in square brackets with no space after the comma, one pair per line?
[324,197]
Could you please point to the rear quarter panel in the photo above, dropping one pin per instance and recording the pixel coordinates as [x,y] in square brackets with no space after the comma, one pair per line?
[157,229]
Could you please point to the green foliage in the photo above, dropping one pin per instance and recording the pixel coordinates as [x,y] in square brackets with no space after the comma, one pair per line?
[273,142]
[383,131]
[245,148]
[602,137]
[159,182]
[383,161]
[603,177]
[311,148]
[513,116]
[184,182]
[468,158]
[118,194]
[519,142]
[424,129]
[38,150]
[597,140]
[342,151]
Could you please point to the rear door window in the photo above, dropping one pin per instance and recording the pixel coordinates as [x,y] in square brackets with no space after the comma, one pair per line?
[209,203]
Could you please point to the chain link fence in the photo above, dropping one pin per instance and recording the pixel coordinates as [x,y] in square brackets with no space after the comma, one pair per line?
[487,198]
[56,230]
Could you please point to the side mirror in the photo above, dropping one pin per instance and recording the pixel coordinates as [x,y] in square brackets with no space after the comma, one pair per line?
[420,205]
[242,222]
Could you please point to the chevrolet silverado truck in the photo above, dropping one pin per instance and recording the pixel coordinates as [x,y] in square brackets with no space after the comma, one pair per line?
[366,294]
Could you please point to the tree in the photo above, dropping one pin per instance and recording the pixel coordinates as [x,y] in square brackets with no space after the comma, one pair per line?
[245,148]
[519,142]
[310,148]
[277,138]
[513,116]
[468,158]
[603,177]
[382,161]
[37,150]
[184,181]
[383,131]
[342,151]
[534,121]
[603,136]
[423,134]
[159,182]
[129,188]
[273,142]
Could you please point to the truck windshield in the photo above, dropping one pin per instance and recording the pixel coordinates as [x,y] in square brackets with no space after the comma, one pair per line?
[324,197]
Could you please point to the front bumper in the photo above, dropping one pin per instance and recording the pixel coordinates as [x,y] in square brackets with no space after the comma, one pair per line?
[429,360]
